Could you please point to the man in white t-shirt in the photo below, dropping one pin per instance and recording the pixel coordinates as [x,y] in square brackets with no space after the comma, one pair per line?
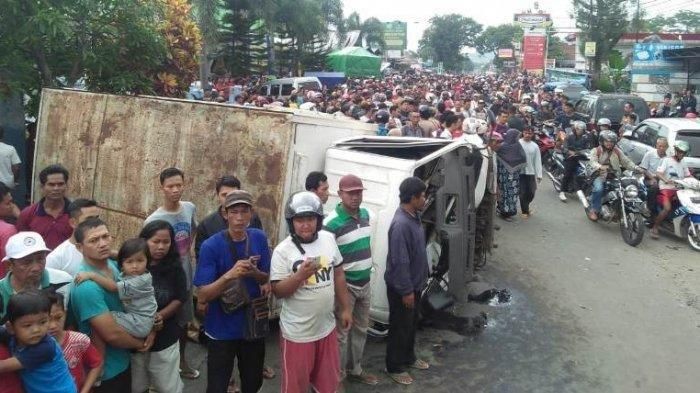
[66,256]
[9,163]
[670,169]
[306,275]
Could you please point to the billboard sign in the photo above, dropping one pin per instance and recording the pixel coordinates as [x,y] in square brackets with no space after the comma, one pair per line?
[648,58]
[532,20]
[395,35]
[534,52]
[505,53]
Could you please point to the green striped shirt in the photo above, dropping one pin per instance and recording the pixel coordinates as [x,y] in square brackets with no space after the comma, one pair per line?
[352,234]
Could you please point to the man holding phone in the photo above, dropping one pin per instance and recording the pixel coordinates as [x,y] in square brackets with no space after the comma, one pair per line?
[238,255]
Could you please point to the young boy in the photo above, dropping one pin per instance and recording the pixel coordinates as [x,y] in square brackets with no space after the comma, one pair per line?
[84,361]
[10,380]
[36,354]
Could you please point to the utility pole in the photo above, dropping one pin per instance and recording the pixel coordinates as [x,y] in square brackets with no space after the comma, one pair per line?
[636,35]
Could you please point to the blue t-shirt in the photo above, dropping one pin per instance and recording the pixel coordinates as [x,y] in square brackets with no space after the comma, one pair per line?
[89,300]
[51,376]
[215,259]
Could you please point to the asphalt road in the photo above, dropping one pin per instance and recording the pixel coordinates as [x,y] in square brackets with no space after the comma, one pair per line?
[588,314]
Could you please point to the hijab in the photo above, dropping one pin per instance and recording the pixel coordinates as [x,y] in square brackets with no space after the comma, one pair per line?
[511,154]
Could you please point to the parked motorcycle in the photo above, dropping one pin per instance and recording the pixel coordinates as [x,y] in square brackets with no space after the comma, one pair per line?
[546,145]
[621,203]
[684,219]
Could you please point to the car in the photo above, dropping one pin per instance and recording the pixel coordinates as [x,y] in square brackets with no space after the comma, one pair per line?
[594,106]
[637,142]
[282,88]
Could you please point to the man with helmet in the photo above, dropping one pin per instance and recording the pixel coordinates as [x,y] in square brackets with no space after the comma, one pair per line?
[575,143]
[306,275]
[604,124]
[606,158]
[670,169]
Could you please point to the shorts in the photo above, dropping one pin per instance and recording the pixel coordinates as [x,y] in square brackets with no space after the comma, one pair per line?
[666,195]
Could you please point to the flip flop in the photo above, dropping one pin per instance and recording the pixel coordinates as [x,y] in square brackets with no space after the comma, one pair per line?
[366,378]
[189,374]
[420,365]
[403,378]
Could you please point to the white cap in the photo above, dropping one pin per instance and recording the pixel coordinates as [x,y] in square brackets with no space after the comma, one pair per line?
[22,244]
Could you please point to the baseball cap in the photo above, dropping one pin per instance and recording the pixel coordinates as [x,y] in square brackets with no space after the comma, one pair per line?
[237,197]
[22,244]
[350,183]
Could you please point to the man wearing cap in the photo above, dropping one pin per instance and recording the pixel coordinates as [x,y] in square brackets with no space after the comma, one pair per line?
[351,226]
[25,254]
[240,256]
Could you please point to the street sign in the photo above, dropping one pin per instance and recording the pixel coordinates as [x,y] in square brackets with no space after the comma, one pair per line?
[505,53]
[395,35]
[509,63]
[394,54]
[589,49]
[551,63]
[532,20]
[440,68]
[534,52]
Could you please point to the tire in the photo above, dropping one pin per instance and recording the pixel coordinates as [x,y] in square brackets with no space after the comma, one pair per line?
[557,174]
[634,233]
[693,241]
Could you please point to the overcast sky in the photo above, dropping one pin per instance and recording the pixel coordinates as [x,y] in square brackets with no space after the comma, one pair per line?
[487,12]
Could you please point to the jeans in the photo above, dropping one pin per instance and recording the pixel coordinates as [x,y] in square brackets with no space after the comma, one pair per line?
[121,383]
[400,347]
[222,353]
[597,194]
[352,342]
[570,169]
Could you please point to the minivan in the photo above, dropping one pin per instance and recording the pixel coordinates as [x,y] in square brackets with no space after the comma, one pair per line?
[593,107]
[283,87]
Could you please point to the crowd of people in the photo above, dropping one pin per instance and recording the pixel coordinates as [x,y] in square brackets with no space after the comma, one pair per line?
[82,316]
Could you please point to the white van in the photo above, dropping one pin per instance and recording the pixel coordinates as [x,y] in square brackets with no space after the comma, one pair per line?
[283,87]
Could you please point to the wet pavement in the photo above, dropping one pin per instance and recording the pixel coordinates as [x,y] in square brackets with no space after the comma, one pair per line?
[593,316]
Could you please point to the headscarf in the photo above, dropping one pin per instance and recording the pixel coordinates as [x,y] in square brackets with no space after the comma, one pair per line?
[511,153]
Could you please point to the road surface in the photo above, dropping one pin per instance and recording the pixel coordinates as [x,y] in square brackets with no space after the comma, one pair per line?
[588,314]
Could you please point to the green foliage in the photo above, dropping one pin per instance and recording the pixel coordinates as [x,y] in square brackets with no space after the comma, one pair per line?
[446,37]
[603,23]
[496,37]
[114,45]
[242,39]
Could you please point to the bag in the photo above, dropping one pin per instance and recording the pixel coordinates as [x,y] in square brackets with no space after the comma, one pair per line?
[257,319]
[235,297]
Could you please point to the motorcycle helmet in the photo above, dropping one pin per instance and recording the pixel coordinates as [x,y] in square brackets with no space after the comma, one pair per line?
[682,146]
[381,117]
[604,121]
[303,204]
[608,136]
[578,125]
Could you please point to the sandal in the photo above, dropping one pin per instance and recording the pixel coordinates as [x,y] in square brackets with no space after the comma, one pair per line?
[654,233]
[420,365]
[268,372]
[189,374]
[403,378]
[364,377]
[233,387]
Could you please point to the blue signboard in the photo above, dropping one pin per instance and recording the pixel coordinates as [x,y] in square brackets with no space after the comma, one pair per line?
[648,58]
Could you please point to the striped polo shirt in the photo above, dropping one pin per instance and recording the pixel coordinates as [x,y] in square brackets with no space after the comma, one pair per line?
[353,238]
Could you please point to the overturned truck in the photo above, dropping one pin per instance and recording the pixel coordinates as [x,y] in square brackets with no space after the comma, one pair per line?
[115,147]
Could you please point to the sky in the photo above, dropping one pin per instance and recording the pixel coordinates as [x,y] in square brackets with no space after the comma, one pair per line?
[487,12]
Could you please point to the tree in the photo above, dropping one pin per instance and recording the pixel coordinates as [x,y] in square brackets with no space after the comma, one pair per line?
[206,13]
[496,37]
[446,37]
[303,28]
[685,21]
[371,31]
[114,46]
[184,42]
[603,22]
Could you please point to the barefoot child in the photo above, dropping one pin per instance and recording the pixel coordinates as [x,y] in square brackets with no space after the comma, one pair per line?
[135,288]
[84,361]
[36,354]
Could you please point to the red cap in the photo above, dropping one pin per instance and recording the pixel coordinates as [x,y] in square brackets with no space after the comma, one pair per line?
[350,183]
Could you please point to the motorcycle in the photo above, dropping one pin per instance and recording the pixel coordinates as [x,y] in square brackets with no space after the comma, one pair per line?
[546,145]
[555,170]
[621,203]
[684,219]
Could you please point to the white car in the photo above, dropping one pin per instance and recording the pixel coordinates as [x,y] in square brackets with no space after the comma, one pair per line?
[642,139]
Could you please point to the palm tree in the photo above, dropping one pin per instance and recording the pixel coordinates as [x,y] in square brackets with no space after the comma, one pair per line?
[205,13]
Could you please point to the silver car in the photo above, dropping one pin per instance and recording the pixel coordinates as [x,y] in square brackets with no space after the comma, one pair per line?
[642,139]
